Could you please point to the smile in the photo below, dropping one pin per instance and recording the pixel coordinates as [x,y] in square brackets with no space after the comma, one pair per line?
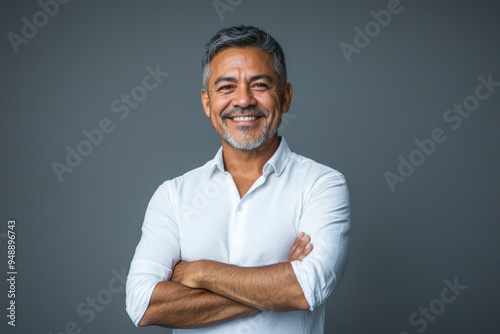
[246,118]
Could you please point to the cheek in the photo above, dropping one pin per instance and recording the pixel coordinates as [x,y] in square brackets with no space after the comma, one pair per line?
[270,102]
[219,105]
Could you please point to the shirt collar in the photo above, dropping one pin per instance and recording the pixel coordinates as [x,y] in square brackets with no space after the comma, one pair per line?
[278,161]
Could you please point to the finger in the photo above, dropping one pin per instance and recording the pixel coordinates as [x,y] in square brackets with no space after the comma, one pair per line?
[307,250]
[298,240]
[296,244]
[303,253]
[174,277]
[298,251]
[304,248]
[177,272]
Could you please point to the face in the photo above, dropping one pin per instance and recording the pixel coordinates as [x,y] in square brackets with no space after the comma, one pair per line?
[244,99]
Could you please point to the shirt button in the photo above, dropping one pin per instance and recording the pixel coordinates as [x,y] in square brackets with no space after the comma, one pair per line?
[240,208]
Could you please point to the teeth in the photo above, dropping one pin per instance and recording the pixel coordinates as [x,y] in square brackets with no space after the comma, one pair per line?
[247,118]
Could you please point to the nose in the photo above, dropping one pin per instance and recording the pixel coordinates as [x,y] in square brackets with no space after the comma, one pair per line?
[243,97]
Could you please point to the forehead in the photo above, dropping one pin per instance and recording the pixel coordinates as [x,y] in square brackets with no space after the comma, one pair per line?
[237,61]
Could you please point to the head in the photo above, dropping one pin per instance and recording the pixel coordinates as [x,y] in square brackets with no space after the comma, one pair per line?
[240,37]
[244,75]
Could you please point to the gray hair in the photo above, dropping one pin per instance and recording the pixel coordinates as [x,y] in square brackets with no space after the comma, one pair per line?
[240,37]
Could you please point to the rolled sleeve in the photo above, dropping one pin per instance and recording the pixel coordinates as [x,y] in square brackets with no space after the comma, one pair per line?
[326,219]
[156,254]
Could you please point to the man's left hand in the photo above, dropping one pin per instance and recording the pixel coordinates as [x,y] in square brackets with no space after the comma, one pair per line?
[185,273]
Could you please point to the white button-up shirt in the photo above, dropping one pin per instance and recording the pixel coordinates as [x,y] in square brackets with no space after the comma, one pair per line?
[200,215]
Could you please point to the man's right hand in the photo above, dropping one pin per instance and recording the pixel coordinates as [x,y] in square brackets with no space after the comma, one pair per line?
[301,247]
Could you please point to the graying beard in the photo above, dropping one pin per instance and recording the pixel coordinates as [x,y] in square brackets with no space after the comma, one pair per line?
[263,137]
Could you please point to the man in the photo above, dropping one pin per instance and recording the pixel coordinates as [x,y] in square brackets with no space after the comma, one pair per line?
[227,247]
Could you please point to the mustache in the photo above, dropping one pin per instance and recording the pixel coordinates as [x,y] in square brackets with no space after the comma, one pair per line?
[241,111]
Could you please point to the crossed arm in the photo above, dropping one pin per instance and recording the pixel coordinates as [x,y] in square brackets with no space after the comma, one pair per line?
[204,293]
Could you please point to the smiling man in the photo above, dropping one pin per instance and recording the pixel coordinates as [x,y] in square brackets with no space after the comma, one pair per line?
[242,260]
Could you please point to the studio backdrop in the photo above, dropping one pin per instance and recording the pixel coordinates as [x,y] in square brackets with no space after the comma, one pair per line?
[100,104]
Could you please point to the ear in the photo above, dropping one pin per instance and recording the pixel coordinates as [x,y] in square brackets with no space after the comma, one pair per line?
[205,101]
[286,99]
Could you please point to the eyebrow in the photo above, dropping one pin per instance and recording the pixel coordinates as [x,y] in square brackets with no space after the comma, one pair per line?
[254,78]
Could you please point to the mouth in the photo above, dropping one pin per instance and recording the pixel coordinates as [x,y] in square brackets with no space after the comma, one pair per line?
[244,119]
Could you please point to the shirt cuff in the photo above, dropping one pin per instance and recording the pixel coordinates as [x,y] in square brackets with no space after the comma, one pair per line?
[141,281]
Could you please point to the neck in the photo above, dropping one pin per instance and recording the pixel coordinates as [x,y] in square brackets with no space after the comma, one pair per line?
[248,163]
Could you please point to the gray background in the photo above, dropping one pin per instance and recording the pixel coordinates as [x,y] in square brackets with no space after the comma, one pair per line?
[357,117]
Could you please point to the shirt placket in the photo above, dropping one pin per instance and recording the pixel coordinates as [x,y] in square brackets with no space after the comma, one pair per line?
[239,215]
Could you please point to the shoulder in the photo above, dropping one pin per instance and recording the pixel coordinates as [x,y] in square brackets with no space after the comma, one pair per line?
[310,169]
[188,180]
[320,183]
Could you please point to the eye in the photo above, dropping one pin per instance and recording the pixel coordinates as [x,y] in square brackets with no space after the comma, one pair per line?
[261,85]
[225,87]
